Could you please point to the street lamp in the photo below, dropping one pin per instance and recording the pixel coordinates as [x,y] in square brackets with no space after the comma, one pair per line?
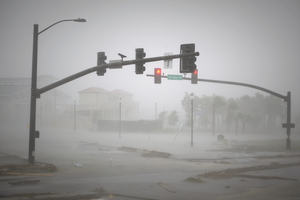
[120,105]
[74,113]
[32,132]
[55,95]
[192,114]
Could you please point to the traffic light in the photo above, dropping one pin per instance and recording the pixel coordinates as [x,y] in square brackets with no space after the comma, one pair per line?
[157,75]
[195,77]
[101,61]
[139,67]
[187,64]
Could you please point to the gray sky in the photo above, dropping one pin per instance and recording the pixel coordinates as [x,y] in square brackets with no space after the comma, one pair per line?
[255,42]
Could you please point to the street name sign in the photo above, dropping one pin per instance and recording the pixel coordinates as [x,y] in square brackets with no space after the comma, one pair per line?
[174,77]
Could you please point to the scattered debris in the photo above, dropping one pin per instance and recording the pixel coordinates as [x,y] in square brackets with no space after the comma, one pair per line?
[26,182]
[132,197]
[156,154]
[100,191]
[274,163]
[266,177]
[28,195]
[222,162]
[27,168]
[89,143]
[278,156]
[227,186]
[76,164]
[229,173]
[26,174]
[194,180]
[101,149]
[165,186]
[243,180]
[128,149]
[146,153]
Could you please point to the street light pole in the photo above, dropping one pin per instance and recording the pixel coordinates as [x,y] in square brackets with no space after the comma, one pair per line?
[32,132]
[192,116]
[120,109]
[74,116]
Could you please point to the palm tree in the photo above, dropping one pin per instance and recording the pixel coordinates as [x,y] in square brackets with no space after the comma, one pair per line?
[259,110]
[186,105]
[274,107]
[205,105]
[231,108]
[217,103]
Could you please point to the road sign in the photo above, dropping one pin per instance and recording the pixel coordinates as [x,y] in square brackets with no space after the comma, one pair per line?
[168,64]
[174,77]
[285,125]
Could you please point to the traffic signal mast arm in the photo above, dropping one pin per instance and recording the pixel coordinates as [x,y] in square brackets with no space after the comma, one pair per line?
[114,65]
[285,98]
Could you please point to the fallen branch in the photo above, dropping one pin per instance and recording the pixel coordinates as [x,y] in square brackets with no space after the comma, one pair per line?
[265,177]
[26,174]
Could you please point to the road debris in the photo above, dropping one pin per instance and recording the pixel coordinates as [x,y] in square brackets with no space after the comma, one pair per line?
[26,174]
[28,168]
[26,195]
[229,173]
[165,186]
[194,180]
[265,177]
[156,154]
[132,197]
[222,162]
[26,182]
[76,164]
[146,153]
[128,149]
[89,143]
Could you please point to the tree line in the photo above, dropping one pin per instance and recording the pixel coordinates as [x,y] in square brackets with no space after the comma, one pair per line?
[238,115]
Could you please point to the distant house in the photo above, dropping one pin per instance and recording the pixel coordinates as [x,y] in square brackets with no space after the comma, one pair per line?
[98,103]
[15,101]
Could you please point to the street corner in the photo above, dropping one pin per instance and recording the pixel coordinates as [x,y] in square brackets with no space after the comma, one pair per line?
[8,159]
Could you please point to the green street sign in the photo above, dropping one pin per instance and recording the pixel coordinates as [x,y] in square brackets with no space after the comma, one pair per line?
[174,77]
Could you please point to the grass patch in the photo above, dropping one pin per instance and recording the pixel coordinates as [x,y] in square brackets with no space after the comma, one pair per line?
[28,168]
[194,180]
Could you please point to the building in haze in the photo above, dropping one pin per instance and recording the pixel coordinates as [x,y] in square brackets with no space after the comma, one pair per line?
[100,104]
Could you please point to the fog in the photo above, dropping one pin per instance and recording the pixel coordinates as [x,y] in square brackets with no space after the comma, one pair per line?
[253,42]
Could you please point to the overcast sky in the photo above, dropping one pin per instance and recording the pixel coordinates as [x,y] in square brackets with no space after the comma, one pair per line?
[255,42]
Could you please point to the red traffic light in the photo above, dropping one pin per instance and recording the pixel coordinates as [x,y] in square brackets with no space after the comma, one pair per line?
[196,71]
[157,75]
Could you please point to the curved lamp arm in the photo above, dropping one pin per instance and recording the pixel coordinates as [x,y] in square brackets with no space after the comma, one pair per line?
[65,20]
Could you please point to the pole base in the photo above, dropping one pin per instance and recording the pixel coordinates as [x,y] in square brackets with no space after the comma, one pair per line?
[288,144]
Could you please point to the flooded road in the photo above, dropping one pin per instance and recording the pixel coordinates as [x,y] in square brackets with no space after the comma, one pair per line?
[151,166]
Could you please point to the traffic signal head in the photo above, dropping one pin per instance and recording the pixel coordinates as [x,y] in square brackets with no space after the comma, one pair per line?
[139,55]
[194,78]
[157,75]
[101,61]
[187,64]
[101,72]
[101,58]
